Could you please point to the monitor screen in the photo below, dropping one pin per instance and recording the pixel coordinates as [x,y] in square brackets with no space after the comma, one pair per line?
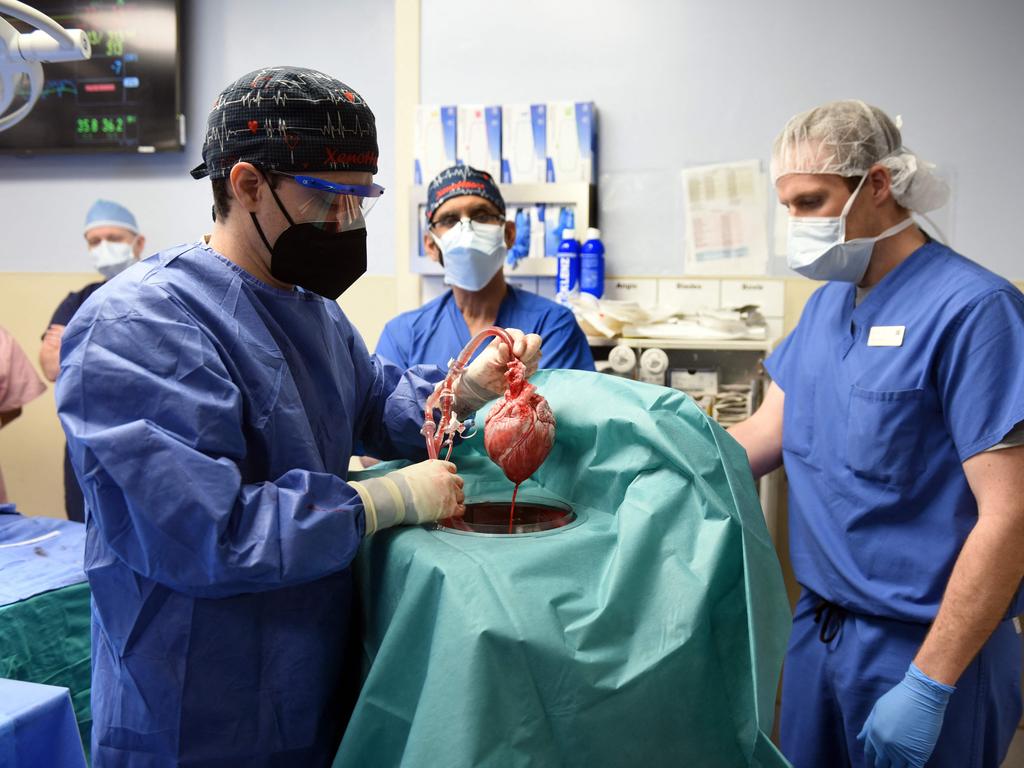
[126,98]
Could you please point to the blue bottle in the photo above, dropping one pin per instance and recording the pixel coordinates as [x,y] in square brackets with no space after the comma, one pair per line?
[592,264]
[568,280]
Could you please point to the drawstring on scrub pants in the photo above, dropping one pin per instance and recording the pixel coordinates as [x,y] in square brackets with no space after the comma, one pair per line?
[832,621]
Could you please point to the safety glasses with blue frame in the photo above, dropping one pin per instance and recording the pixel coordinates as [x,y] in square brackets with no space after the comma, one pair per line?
[337,207]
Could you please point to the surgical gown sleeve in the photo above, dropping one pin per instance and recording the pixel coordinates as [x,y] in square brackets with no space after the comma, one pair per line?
[980,372]
[156,431]
[392,416]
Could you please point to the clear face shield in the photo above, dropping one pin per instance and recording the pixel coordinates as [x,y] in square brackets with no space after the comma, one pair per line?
[331,207]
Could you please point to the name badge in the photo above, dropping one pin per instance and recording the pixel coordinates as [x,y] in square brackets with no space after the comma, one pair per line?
[886,335]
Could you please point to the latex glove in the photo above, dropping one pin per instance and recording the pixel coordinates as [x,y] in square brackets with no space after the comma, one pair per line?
[419,493]
[484,378]
[905,723]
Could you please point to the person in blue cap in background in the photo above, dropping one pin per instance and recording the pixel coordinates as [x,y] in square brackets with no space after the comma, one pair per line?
[211,396]
[468,235]
[897,407]
[115,242]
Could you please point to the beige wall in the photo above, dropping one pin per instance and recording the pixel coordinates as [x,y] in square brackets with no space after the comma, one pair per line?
[31,446]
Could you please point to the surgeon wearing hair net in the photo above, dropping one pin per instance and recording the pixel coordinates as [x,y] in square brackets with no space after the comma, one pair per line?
[211,396]
[896,407]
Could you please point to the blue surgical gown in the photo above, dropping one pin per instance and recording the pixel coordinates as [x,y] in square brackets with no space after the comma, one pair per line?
[874,438]
[210,420]
[437,332]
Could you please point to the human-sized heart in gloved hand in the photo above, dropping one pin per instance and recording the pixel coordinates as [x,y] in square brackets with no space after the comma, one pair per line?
[520,429]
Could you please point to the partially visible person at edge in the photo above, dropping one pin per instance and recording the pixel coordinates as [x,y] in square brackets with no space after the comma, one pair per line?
[19,385]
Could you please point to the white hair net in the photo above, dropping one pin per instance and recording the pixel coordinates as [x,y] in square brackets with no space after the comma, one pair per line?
[847,138]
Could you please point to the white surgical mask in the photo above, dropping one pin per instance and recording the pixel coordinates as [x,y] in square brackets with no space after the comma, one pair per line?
[111,258]
[473,253]
[817,246]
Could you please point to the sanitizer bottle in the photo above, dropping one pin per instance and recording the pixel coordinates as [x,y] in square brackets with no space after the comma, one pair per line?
[592,264]
[568,284]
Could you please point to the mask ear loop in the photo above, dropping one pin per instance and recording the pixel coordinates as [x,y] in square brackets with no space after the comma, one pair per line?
[437,242]
[850,201]
[277,199]
[252,214]
[894,229]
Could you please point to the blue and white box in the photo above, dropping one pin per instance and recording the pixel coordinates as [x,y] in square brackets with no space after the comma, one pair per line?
[572,142]
[479,139]
[434,141]
[524,142]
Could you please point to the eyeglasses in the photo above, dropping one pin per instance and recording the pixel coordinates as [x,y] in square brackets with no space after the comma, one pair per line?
[335,207]
[443,223]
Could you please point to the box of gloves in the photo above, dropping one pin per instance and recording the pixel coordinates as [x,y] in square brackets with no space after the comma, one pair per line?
[479,138]
[434,140]
[571,141]
[524,143]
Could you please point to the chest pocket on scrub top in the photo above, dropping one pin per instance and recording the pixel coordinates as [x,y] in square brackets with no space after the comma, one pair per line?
[885,434]
[798,420]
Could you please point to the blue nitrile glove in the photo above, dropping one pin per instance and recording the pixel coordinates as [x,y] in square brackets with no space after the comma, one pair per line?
[905,723]
[521,247]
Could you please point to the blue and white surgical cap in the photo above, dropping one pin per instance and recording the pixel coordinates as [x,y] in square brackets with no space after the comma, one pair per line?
[107,213]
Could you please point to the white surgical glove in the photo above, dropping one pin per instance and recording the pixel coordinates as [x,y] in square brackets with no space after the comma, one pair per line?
[484,378]
[419,493]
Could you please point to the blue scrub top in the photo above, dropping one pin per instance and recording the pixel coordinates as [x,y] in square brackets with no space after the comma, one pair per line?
[210,419]
[874,436]
[437,332]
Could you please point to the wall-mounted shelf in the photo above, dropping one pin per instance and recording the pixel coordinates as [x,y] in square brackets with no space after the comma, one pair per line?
[583,198]
[730,345]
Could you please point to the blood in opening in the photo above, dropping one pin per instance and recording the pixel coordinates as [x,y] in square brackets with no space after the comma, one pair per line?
[512,510]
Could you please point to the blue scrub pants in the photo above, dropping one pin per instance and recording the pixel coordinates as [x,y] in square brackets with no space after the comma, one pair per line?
[829,688]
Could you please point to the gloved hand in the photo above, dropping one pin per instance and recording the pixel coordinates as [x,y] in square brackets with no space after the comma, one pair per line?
[419,493]
[484,378]
[905,723]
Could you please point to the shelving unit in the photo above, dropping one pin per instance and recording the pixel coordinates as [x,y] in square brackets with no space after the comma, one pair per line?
[737,361]
[583,197]
[735,345]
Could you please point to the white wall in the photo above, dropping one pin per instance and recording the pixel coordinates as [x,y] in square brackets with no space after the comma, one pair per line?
[43,200]
[684,82]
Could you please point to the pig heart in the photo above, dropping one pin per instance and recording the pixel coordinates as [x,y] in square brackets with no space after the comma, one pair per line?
[520,429]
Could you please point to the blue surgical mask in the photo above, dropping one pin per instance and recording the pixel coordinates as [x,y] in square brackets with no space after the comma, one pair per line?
[817,246]
[471,253]
[111,258]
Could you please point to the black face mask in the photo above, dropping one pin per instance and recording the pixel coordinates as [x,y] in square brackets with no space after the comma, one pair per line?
[327,263]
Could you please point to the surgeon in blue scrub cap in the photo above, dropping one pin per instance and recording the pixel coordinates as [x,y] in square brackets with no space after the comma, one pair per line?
[897,409]
[211,397]
[468,234]
[115,243]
